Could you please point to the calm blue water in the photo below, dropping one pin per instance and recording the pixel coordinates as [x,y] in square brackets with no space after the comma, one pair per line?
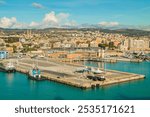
[17,86]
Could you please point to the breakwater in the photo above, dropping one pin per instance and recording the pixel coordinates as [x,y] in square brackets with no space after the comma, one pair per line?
[65,74]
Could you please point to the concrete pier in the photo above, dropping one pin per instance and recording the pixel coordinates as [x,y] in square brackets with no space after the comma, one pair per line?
[65,74]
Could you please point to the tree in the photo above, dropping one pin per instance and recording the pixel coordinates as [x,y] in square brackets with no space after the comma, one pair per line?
[111,45]
[102,46]
[14,48]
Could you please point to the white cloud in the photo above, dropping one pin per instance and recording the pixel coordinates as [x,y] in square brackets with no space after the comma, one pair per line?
[7,22]
[20,25]
[37,5]
[50,19]
[12,22]
[62,16]
[55,19]
[71,23]
[109,24]
[34,24]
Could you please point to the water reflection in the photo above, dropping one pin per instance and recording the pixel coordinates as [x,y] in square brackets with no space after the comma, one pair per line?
[10,78]
[33,84]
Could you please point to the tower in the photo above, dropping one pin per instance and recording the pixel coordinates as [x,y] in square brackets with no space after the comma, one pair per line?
[29,33]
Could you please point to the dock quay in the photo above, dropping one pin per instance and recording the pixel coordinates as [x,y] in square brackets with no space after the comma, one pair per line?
[116,59]
[65,73]
[91,59]
[106,60]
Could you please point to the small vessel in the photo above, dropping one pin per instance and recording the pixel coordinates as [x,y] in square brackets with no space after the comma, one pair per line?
[9,67]
[83,69]
[96,70]
[35,74]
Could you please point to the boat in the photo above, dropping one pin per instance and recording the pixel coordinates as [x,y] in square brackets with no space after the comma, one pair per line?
[9,67]
[35,74]
[96,70]
[83,69]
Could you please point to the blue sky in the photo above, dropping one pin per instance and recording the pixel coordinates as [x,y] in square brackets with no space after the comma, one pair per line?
[126,12]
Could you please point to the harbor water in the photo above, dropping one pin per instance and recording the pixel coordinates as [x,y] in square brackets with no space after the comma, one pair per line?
[16,86]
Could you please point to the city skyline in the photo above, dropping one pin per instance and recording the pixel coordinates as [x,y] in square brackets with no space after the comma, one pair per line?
[51,13]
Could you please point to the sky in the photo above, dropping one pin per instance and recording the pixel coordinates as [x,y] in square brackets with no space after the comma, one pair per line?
[57,13]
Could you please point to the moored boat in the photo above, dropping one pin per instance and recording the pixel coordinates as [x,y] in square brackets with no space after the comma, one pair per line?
[96,70]
[35,74]
[9,67]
